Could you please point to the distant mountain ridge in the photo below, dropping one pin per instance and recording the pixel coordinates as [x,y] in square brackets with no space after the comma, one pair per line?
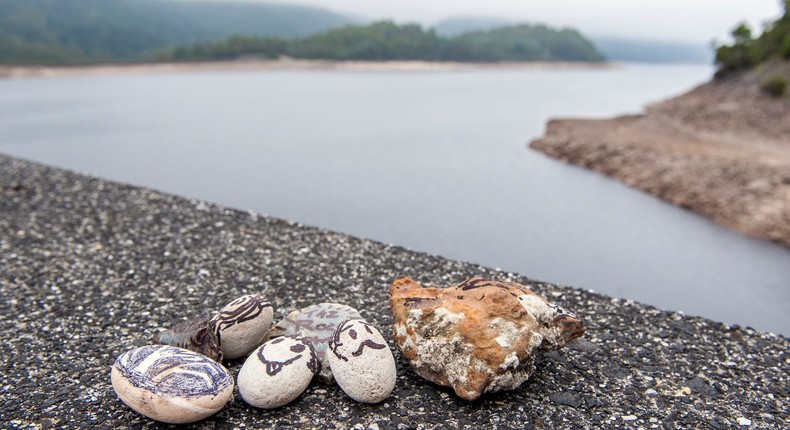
[95,31]
[612,47]
[78,31]
[388,41]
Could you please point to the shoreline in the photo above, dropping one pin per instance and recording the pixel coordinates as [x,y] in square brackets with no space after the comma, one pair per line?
[721,150]
[285,64]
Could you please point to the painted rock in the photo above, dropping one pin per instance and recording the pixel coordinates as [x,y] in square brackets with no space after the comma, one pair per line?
[361,361]
[479,336]
[278,372]
[316,324]
[171,384]
[241,326]
[194,335]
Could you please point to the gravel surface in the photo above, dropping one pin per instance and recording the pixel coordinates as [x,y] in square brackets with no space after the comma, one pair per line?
[90,269]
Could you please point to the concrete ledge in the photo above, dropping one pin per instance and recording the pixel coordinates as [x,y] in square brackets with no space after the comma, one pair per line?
[91,268]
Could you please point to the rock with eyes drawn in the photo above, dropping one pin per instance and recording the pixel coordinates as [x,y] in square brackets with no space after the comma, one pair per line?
[171,384]
[316,324]
[242,325]
[361,361]
[277,372]
[479,336]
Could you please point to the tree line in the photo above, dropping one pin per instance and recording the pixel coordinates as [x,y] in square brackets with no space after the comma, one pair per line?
[95,31]
[747,51]
[387,40]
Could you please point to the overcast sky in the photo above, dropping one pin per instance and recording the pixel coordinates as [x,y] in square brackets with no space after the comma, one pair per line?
[682,20]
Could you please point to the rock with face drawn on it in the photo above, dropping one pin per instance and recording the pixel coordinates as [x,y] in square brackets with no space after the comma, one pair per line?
[315,324]
[479,336]
[277,372]
[361,361]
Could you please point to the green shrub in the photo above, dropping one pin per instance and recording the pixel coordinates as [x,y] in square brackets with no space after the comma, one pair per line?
[775,86]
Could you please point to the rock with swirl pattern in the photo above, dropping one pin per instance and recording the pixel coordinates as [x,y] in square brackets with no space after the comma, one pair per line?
[171,384]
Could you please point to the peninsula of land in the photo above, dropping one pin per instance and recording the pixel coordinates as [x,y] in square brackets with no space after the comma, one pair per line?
[721,150]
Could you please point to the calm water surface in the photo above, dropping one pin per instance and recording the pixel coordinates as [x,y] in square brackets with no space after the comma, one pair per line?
[436,162]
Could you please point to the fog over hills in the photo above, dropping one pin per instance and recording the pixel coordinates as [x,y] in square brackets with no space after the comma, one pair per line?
[73,31]
[80,31]
[614,48]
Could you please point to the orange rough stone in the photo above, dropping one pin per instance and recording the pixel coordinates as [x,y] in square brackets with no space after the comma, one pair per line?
[479,336]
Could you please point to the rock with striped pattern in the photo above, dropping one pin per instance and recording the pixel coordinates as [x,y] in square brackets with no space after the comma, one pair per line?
[171,384]
[242,325]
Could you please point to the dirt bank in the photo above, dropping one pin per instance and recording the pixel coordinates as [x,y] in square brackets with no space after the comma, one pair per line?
[722,150]
[286,64]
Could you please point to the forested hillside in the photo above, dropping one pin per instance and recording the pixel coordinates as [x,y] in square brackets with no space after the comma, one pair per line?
[456,26]
[78,31]
[389,41]
[612,47]
[747,51]
[95,31]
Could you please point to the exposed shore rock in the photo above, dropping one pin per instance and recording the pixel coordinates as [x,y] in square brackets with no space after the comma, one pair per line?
[722,150]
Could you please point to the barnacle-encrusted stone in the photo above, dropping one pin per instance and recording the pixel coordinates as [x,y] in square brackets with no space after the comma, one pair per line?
[195,335]
[479,336]
[315,324]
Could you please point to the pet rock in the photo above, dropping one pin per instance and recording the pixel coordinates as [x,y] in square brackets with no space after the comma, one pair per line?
[316,324]
[361,361]
[171,384]
[277,372]
[241,325]
[479,336]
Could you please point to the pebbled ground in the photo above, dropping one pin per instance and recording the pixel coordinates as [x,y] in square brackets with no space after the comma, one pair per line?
[91,268]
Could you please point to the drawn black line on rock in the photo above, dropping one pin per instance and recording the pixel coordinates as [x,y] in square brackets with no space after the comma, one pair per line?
[196,375]
[249,308]
[274,367]
[314,364]
[471,284]
[370,344]
[335,343]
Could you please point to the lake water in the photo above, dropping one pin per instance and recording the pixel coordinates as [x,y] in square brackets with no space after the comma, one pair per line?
[435,162]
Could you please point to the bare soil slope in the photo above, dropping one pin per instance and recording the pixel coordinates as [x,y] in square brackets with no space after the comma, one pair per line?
[722,150]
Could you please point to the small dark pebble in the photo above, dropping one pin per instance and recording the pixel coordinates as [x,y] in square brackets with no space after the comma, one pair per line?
[677,347]
[582,344]
[594,402]
[615,371]
[565,398]
[698,385]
